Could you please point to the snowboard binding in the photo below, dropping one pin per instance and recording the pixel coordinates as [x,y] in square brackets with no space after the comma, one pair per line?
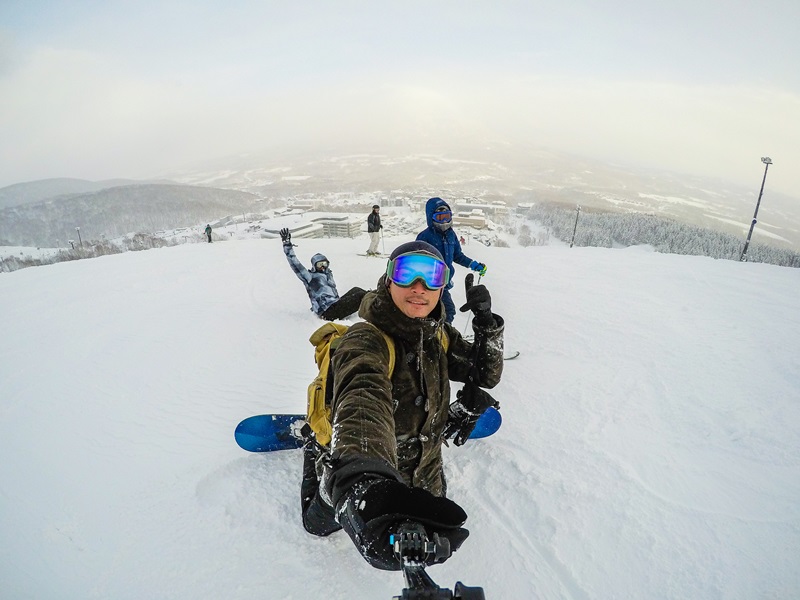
[412,546]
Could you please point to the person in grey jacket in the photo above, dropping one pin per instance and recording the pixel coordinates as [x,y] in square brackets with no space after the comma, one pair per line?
[320,285]
[384,464]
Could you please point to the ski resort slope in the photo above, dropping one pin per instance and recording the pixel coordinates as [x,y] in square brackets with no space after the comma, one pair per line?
[650,445]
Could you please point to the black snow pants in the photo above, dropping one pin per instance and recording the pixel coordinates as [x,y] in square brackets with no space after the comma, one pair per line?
[344,306]
[318,516]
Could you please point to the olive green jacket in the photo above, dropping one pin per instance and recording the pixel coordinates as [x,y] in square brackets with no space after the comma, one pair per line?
[393,427]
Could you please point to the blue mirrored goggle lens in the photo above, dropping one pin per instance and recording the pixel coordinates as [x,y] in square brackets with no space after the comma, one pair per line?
[443,217]
[407,268]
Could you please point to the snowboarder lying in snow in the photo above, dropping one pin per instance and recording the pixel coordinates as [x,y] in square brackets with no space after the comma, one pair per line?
[384,464]
[320,286]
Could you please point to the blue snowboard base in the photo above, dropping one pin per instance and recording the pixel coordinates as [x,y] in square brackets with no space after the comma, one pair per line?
[268,433]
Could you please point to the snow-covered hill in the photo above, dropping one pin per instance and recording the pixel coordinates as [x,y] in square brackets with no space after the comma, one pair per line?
[650,446]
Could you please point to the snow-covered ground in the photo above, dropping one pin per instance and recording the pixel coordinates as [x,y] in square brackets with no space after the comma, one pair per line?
[650,445]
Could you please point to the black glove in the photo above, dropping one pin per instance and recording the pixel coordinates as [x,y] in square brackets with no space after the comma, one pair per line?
[471,402]
[286,236]
[478,301]
[376,508]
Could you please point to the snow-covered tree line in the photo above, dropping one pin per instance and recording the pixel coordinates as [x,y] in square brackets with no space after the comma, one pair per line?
[90,249]
[607,229]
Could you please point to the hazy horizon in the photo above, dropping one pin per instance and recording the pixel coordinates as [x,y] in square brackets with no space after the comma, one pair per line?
[100,91]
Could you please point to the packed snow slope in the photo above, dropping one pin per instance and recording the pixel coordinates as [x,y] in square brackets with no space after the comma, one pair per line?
[650,445]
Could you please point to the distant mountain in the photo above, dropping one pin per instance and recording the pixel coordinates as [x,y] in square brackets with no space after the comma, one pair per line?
[116,211]
[42,211]
[515,174]
[36,191]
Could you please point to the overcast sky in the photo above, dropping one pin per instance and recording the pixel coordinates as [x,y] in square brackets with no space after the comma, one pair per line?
[101,89]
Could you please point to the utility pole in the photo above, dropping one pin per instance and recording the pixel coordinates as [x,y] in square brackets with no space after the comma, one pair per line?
[577,214]
[767,161]
[80,241]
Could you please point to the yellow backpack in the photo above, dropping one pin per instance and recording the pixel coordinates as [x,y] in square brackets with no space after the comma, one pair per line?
[325,339]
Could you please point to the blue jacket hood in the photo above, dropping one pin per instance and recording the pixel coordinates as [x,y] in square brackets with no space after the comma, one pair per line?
[430,208]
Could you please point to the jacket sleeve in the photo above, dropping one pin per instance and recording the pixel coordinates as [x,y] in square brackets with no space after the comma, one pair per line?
[364,442]
[296,265]
[486,352]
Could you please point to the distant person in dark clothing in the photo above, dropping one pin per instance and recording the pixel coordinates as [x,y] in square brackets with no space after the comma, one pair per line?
[208,233]
[441,236]
[374,229]
[320,286]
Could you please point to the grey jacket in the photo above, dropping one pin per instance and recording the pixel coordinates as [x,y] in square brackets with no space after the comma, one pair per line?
[321,287]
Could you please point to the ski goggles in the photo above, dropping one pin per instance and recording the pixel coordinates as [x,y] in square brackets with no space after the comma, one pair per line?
[323,264]
[444,216]
[408,268]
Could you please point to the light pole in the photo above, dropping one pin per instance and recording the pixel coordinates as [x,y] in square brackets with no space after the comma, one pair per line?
[577,214]
[80,241]
[767,161]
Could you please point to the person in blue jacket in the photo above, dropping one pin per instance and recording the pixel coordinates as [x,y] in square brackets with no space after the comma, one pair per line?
[441,236]
[320,286]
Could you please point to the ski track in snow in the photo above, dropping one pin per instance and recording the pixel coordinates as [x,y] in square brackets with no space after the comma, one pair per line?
[649,445]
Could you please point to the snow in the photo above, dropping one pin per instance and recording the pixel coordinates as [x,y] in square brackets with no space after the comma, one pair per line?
[650,445]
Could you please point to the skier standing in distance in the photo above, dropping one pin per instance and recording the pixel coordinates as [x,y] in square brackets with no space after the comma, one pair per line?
[208,232]
[441,236]
[384,464]
[320,285]
[374,229]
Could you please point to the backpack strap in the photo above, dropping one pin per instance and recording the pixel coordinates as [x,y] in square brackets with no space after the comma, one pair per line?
[442,335]
[390,345]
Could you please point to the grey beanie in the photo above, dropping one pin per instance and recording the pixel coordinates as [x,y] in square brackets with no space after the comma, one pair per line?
[416,247]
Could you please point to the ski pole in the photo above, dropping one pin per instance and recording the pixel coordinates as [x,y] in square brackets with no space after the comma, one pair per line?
[469,318]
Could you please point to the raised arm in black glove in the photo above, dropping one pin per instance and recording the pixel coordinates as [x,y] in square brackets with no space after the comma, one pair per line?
[286,236]
[471,402]
[479,302]
[376,508]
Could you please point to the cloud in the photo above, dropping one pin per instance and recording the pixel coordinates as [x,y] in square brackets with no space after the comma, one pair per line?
[712,130]
[81,114]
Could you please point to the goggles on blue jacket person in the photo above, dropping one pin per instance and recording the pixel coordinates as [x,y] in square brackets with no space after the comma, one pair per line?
[443,216]
[321,265]
[408,268]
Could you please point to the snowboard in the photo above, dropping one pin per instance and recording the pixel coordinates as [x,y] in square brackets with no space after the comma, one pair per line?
[373,255]
[269,433]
